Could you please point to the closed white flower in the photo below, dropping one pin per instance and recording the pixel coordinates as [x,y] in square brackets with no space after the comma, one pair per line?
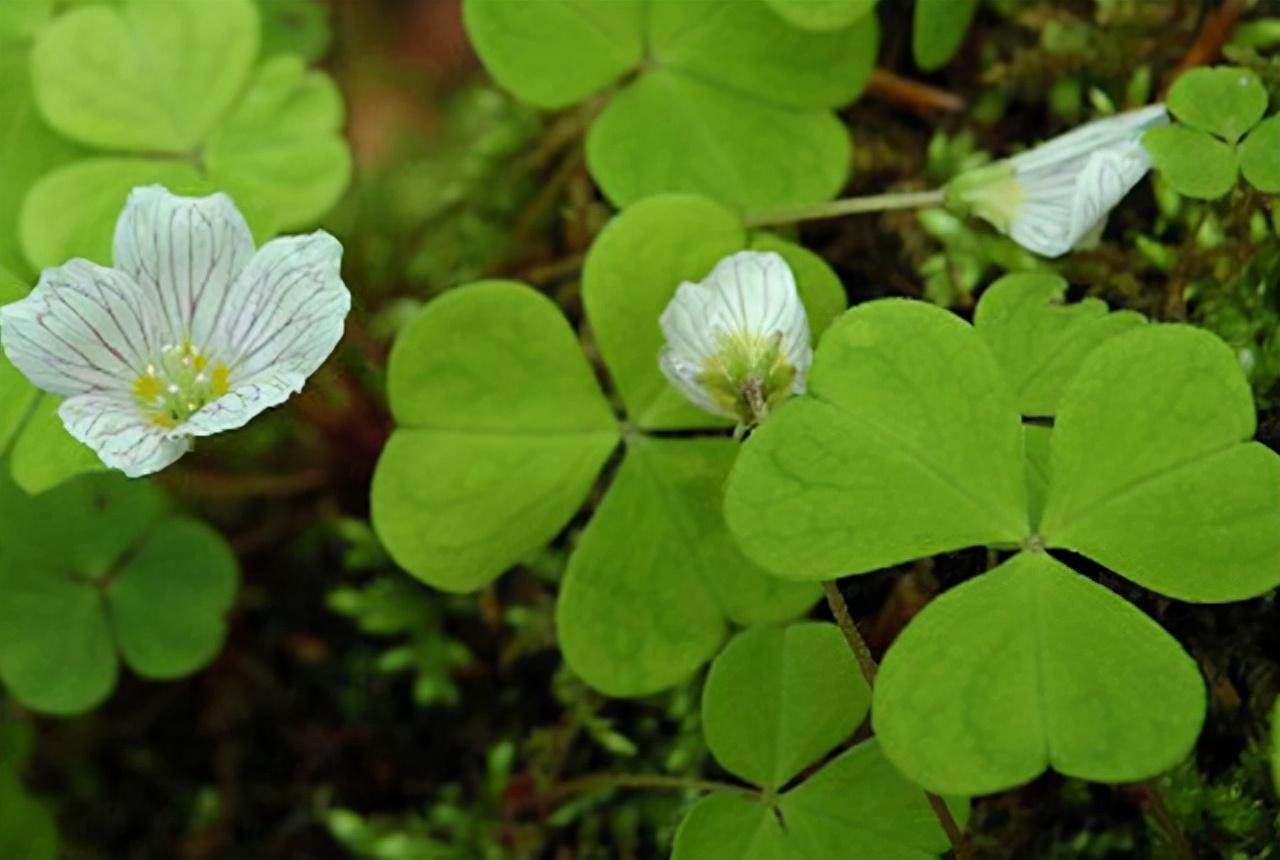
[1051,197]
[738,342]
[191,333]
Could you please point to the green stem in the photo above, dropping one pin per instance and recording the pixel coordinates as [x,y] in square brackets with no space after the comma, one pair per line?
[867,664]
[847,206]
[659,782]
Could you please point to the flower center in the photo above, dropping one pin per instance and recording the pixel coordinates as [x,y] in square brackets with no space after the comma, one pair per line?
[749,375]
[181,383]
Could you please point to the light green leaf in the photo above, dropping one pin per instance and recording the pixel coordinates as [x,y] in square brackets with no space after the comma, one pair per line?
[17,396]
[672,132]
[104,510]
[56,653]
[939,30]
[1036,439]
[1260,156]
[1194,162]
[44,454]
[743,46]
[20,19]
[907,444]
[28,148]
[1171,494]
[1031,666]
[1224,101]
[632,271]
[777,699]
[1040,342]
[655,577]
[502,432]
[299,27]
[167,602]
[282,146]
[151,77]
[855,808]
[72,211]
[556,52]
[27,830]
[821,14]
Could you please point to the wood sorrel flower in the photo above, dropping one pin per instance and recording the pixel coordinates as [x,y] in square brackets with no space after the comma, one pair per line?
[738,342]
[190,334]
[1051,197]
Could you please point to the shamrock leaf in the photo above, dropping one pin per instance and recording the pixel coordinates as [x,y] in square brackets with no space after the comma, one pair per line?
[299,27]
[746,87]
[776,701]
[1056,670]
[1260,156]
[909,444]
[1225,102]
[637,620]
[938,30]
[822,14]
[1216,107]
[1194,162]
[1038,341]
[166,94]
[906,411]
[496,404]
[151,587]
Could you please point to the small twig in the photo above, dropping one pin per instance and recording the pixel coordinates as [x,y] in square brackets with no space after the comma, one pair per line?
[867,664]
[214,485]
[890,87]
[1213,35]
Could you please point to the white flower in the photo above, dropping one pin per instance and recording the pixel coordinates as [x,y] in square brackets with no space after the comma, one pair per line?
[738,342]
[190,334]
[1053,196]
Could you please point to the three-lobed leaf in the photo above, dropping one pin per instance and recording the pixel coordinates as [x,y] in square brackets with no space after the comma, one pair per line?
[1194,162]
[1260,156]
[1223,101]
[822,14]
[938,30]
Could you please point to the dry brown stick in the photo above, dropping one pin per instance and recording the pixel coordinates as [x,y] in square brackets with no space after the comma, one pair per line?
[890,87]
[1214,33]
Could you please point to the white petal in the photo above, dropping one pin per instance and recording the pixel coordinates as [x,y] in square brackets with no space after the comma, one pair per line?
[1099,134]
[286,311]
[683,376]
[237,408]
[187,251]
[686,324]
[122,438]
[756,293]
[82,329]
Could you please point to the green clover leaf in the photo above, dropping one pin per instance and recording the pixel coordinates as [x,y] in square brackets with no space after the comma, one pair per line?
[134,581]
[1223,101]
[745,86]
[909,443]
[938,30]
[1056,670]
[822,14]
[1194,162]
[778,699]
[1260,156]
[167,93]
[1037,340]
[503,430]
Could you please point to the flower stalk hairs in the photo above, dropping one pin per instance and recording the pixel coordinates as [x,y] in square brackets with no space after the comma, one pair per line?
[191,333]
[738,342]
[1054,196]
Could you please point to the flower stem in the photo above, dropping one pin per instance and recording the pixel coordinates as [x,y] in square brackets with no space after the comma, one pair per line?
[867,664]
[846,206]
